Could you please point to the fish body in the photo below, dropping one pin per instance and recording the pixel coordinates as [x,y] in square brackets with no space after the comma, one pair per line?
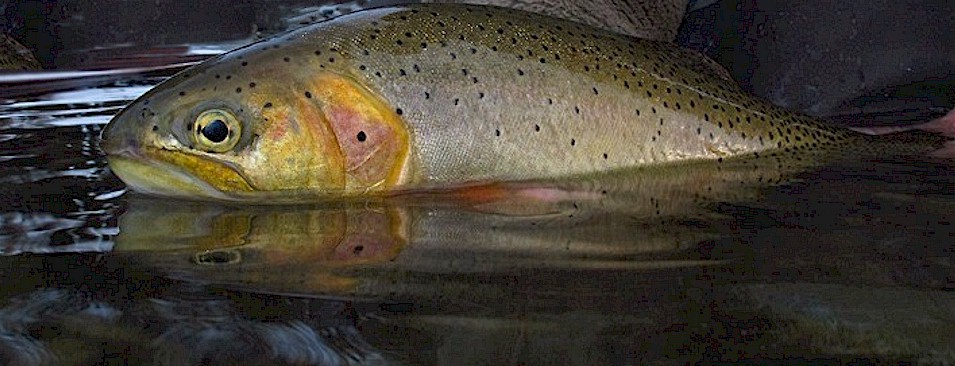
[432,96]
[15,56]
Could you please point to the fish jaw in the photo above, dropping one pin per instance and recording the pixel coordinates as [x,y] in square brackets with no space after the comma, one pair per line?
[159,178]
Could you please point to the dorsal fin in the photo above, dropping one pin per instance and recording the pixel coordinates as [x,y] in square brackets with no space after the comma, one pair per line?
[705,65]
[14,56]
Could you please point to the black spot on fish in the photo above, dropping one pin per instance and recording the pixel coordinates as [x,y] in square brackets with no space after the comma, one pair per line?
[182,94]
[155,128]
[399,111]
[267,105]
[361,136]
[308,95]
[238,90]
[245,63]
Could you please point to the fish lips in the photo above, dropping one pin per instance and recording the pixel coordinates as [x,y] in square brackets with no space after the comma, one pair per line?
[155,171]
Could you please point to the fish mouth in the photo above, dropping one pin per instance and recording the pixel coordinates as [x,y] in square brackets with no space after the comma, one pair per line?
[160,178]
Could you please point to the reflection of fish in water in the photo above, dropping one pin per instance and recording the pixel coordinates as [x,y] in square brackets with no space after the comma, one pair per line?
[14,56]
[264,241]
[438,96]
[379,249]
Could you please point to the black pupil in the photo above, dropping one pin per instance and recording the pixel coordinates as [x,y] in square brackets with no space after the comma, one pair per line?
[216,131]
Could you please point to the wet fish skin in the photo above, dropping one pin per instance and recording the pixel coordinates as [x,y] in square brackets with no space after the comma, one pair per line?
[435,96]
[14,56]
[649,19]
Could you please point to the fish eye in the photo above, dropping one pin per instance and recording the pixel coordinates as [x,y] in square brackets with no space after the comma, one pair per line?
[216,130]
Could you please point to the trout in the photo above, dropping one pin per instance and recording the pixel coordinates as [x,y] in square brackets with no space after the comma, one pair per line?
[15,56]
[439,96]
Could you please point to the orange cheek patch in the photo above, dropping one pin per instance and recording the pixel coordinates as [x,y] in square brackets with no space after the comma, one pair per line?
[373,139]
[369,146]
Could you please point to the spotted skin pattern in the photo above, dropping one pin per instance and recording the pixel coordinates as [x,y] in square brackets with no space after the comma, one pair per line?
[484,94]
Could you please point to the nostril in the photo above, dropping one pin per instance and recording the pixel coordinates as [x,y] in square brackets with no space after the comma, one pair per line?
[146,113]
[117,141]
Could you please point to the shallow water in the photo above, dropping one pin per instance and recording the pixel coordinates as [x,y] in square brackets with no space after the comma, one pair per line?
[850,261]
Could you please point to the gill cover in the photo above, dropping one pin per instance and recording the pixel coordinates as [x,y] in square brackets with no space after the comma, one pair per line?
[372,137]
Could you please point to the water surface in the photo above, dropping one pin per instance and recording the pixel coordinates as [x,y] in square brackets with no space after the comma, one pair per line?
[851,261]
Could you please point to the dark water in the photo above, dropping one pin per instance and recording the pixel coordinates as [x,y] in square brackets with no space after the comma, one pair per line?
[852,261]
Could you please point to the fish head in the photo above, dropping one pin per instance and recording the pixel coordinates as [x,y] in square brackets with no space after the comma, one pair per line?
[241,127]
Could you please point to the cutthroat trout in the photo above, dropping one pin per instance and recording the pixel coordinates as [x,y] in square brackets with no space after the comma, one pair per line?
[433,96]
